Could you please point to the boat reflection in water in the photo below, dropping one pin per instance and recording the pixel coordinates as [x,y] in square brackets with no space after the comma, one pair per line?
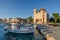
[11,36]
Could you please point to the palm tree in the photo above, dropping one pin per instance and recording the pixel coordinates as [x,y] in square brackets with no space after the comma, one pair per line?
[56,16]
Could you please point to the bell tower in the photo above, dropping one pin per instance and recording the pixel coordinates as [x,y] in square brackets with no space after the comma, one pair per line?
[35,14]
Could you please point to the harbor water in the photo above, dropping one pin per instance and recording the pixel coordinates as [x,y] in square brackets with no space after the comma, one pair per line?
[11,36]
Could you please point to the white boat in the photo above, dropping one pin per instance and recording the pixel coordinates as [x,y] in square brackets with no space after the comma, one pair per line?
[16,28]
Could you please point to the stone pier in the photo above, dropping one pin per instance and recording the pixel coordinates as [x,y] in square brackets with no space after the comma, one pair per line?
[49,32]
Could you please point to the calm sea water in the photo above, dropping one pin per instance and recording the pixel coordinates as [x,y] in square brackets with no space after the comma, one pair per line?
[10,36]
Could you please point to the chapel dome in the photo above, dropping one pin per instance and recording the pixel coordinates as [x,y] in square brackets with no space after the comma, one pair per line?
[42,9]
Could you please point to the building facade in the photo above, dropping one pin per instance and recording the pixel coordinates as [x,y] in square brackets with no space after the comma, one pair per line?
[40,16]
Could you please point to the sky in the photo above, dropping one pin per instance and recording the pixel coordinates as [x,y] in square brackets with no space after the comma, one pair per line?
[25,8]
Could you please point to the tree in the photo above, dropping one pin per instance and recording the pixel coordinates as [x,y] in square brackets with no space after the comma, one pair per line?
[51,19]
[56,16]
[31,19]
[58,20]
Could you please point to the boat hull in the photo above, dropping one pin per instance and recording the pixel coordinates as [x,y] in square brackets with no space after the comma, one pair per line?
[21,31]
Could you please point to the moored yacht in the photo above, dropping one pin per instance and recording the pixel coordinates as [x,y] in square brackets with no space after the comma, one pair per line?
[21,28]
[16,28]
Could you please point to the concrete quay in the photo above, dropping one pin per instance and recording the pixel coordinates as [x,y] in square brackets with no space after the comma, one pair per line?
[49,32]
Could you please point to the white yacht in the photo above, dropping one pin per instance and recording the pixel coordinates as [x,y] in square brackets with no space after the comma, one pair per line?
[19,28]
[16,28]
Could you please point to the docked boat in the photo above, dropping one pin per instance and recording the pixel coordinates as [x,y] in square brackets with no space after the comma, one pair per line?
[16,28]
[19,28]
